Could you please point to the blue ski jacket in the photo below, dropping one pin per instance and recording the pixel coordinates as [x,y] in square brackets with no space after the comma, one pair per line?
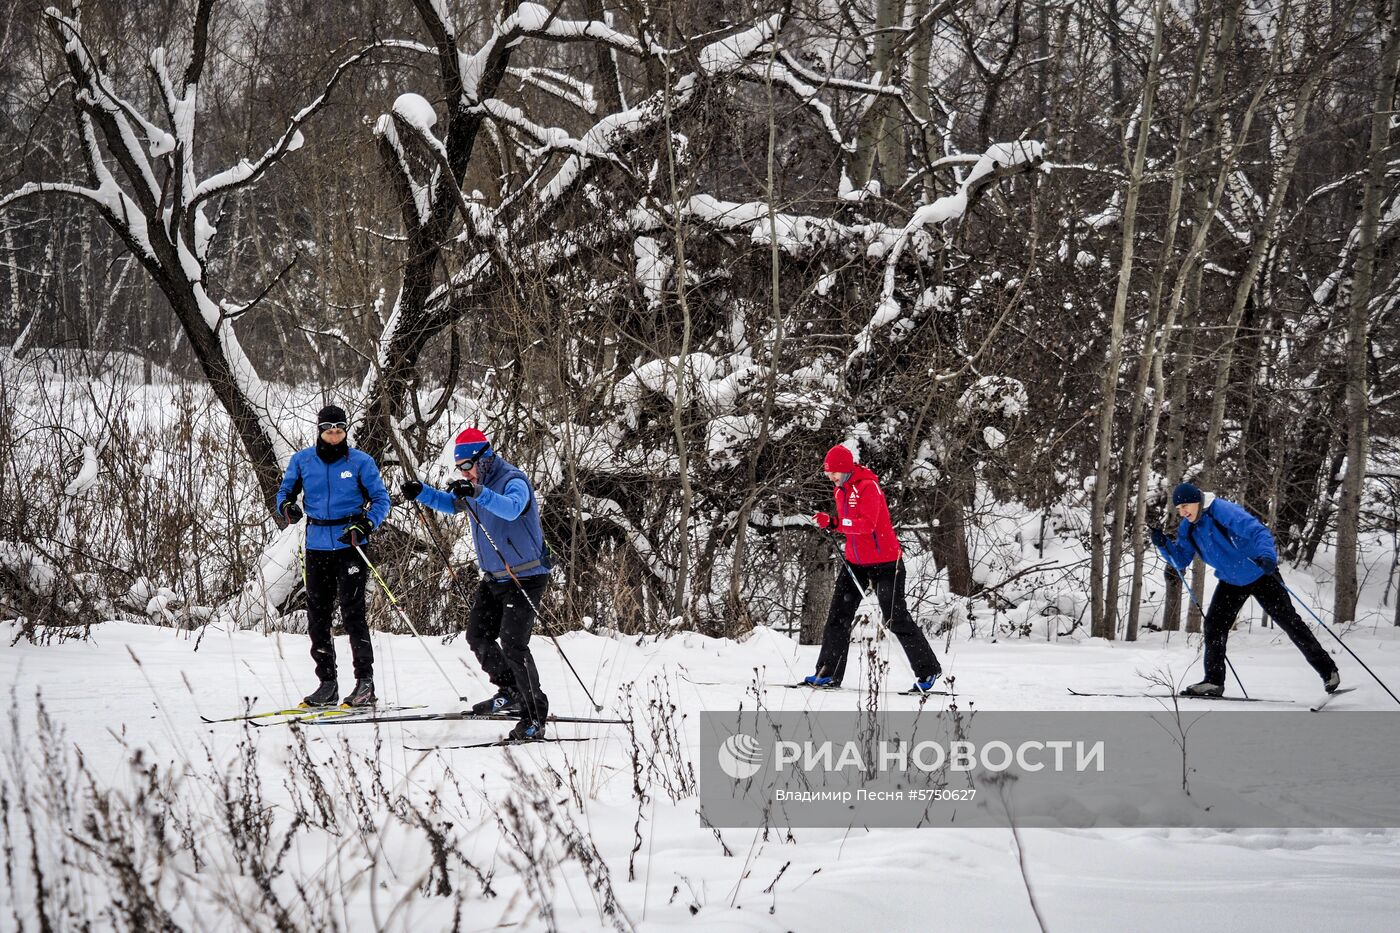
[334,494]
[1227,537]
[505,511]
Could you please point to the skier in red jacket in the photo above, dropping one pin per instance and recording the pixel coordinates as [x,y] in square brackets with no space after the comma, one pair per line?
[872,559]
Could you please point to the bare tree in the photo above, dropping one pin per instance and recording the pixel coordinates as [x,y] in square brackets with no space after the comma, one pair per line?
[1358,401]
[157,205]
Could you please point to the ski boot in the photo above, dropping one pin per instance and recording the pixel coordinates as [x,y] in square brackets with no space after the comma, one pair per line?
[324,695]
[1203,689]
[503,702]
[817,681]
[362,695]
[527,730]
[926,684]
[1333,681]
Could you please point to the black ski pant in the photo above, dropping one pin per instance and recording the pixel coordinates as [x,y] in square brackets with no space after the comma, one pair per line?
[498,632]
[888,582]
[337,577]
[1269,591]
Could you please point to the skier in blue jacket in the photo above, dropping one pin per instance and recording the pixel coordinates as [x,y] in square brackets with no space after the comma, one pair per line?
[504,514]
[344,500]
[1241,551]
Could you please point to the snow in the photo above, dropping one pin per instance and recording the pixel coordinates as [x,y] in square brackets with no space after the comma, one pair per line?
[727,53]
[652,269]
[949,207]
[728,436]
[415,110]
[162,144]
[87,474]
[154,682]
[797,234]
[203,232]
[997,395]
[1005,155]
[531,17]
[34,570]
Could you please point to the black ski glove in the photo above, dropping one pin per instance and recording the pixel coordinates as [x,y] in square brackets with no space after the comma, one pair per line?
[1158,536]
[291,512]
[1266,564]
[357,532]
[410,490]
[463,491]
[1171,574]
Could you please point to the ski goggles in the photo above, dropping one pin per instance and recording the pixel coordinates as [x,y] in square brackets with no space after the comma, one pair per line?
[333,425]
[465,465]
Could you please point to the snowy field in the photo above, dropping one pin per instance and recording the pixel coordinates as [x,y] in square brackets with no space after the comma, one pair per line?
[325,827]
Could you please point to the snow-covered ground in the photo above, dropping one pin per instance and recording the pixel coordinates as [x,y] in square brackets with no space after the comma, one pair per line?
[366,815]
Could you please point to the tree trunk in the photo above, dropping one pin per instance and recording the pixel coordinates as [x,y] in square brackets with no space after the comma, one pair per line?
[819,569]
[948,541]
[870,138]
[1105,597]
[1156,342]
[1357,392]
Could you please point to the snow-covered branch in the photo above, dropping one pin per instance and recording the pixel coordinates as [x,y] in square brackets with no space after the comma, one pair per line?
[245,172]
[997,162]
[567,88]
[36,188]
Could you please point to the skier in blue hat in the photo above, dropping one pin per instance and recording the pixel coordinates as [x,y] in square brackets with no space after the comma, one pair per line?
[1241,551]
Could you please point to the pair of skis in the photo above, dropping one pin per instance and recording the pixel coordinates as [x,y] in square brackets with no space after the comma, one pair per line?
[899,693]
[1316,707]
[304,713]
[343,715]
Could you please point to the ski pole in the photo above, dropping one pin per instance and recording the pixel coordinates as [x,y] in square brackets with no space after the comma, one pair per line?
[597,707]
[1228,663]
[403,615]
[855,579]
[442,554]
[420,511]
[1339,641]
[845,563]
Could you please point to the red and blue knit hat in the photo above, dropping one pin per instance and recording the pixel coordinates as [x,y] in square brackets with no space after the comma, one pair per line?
[471,445]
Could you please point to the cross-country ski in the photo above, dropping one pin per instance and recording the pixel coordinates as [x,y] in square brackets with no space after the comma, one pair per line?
[500,743]
[1329,697]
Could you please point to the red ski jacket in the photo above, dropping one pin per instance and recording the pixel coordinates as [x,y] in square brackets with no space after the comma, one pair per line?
[864,518]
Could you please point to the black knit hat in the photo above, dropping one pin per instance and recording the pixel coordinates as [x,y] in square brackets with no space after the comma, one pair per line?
[331,414]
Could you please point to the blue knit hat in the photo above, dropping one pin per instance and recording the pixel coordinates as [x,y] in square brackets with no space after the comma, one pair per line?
[1185,494]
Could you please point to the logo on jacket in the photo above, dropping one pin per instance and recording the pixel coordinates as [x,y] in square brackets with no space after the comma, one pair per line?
[852,498]
[346,474]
